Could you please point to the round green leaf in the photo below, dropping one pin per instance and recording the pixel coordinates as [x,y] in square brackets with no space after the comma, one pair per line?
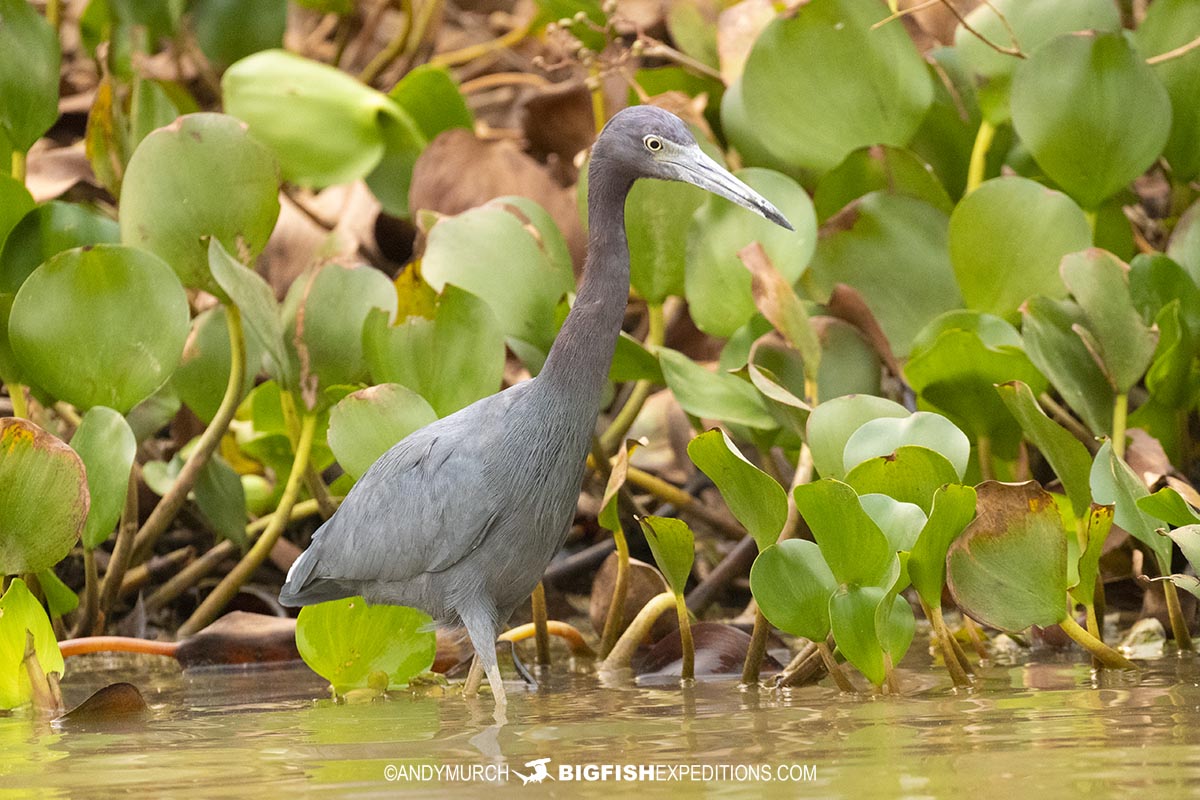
[43,498]
[100,326]
[227,30]
[754,497]
[884,436]
[201,176]
[15,203]
[912,474]
[1169,24]
[674,547]
[107,448]
[832,423]
[20,612]
[658,215]
[363,425]
[785,103]
[1091,112]
[717,284]
[1033,24]
[431,97]
[856,551]
[714,395]
[1006,239]
[344,641]
[878,168]
[451,360]
[892,250]
[792,585]
[852,618]
[1008,569]
[47,231]
[28,74]
[324,315]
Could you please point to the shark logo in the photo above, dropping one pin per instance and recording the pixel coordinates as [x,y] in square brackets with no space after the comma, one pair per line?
[539,772]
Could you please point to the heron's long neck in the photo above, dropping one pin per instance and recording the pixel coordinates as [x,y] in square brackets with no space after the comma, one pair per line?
[579,360]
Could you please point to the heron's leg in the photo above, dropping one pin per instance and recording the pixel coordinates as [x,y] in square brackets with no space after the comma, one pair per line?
[474,678]
[481,628]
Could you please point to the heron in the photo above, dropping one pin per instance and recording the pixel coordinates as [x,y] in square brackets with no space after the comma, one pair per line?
[462,517]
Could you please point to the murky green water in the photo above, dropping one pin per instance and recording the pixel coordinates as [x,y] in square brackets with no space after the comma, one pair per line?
[1048,730]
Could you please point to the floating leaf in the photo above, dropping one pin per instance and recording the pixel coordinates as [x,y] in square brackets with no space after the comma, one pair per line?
[1006,240]
[832,423]
[103,325]
[754,497]
[1113,124]
[792,585]
[953,509]
[107,448]
[47,231]
[200,176]
[673,545]
[886,435]
[20,612]
[28,75]
[43,498]
[1008,569]
[856,551]
[713,395]
[344,641]
[363,425]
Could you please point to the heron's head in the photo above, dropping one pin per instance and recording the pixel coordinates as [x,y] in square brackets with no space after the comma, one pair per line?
[648,142]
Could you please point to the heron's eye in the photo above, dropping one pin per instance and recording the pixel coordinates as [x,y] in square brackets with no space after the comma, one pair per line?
[653,143]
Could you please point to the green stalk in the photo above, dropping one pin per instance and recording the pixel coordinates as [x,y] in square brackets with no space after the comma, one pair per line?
[983,450]
[1102,652]
[978,164]
[1183,639]
[758,648]
[834,668]
[229,586]
[1120,414]
[176,496]
[541,632]
[16,393]
[1090,216]
[958,673]
[616,608]
[19,165]
[685,639]
[637,631]
[123,549]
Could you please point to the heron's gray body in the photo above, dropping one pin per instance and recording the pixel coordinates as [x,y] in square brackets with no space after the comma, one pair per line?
[461,518]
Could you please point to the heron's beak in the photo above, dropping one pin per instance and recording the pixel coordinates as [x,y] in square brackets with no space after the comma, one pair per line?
[697,168]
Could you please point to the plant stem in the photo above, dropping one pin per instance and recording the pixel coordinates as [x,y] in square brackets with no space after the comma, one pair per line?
[638,630]
[1093,622]
[1120,414]
[568,633]
[976,636]
[1103,653]
[229,586]
[176,496]
[758,648]
[453,58]
[978,164]
[1090,216]
[616,608]
[889,675]
[541,633]
[116,644]
[123,549]
[834,668]
[86,625]
[1183,639]
[983,450]
[802,666]
[688,672]
[19,164]
[1063,417]
[946,641]
[16,393]
[669,493]
[392,50]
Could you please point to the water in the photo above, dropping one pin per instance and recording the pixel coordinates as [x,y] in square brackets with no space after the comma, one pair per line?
[1048,730]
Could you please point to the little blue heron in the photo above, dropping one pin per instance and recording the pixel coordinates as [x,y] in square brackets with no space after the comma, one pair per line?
[461,517]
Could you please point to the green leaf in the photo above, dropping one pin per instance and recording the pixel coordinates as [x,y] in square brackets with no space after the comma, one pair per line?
[324,315]
[713,395]
[783,104]
[1169,24]
[658,216]
[1169,506]
[451,360]
[1188,539]
[792,585]
[28,75]
[47,231]
[1126,345]
[222,500]
[1155,281]
[391,178]
[1114,483]
[1066,455]
[15,203]
[43,498]
[260,313]
[1006,240]
[673,545]
[1185,582]
[1008,569]
[1113,124]
[202,375]
[832,423]
[20,612]
[953,509]
[490,252]
[852,618]
[855,548]
[344,641]
[1033,24]
[1099,521]
[100,326]
[912,475]
[717,285]
[107,447]
[754,497]
[60,599]
[900,522]
[363,425]
[323,126]
[227,30]
[886,435]
[1054,347]
[873,241]
[200,176]
[878,168]
[432,99]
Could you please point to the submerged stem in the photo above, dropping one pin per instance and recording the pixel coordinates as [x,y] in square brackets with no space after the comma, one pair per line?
[958,673]
[1183,639]
[834,668]
[758,648]
[688,671]
[1103,653]
[541,633]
